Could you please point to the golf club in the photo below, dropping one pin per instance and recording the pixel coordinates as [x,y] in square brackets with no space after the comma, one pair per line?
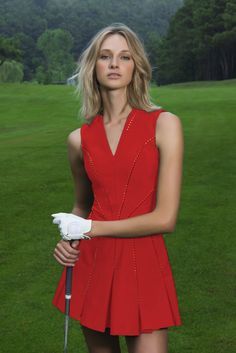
[72,234]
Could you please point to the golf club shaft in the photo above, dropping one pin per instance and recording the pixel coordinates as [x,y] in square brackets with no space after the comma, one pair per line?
[66,333]
[69,272]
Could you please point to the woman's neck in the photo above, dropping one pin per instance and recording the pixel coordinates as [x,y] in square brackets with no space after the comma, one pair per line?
[115,105]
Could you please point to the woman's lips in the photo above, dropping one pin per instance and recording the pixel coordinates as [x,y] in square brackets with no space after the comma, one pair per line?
[114,75]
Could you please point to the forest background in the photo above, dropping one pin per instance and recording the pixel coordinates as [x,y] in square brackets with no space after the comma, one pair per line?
[41,40]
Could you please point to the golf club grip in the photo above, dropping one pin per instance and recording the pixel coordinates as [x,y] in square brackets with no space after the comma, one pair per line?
[69,271]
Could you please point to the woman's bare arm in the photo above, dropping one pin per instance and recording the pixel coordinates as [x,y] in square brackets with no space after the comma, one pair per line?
[65,253]
[169,139]
[83,188]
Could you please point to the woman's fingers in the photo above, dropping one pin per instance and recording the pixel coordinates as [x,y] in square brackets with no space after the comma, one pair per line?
[65,254]
[67,248]
[64,263]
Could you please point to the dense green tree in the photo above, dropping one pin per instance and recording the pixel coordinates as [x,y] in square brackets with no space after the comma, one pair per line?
[151,45]
[58,62]
[175,60]
[30,54]
[225,41]
[200,43]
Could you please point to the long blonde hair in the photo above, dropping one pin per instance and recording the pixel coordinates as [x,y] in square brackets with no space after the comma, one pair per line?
[88,88]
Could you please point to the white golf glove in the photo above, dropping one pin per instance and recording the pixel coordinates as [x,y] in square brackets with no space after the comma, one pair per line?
[72,227]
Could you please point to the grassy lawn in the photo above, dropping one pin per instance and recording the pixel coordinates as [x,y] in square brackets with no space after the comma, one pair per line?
[36,181]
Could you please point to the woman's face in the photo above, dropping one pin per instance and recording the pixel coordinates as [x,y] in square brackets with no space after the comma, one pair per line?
[114,65]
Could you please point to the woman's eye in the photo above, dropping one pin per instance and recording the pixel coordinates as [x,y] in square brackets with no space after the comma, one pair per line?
[107,57]
[104,56]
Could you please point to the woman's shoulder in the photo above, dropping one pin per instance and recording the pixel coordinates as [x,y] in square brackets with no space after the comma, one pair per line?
[74,136]
[74,141]
[167,120]
[168,128]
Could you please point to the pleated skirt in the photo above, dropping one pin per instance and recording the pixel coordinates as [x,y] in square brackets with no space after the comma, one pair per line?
[125,284]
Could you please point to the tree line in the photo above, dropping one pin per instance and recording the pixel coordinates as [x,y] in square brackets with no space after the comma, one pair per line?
[185,40]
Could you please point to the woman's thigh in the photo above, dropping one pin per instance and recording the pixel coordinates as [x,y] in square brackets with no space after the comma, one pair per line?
[101,342]
[154,342]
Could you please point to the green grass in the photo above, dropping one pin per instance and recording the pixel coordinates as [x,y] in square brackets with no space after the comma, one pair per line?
[36,181]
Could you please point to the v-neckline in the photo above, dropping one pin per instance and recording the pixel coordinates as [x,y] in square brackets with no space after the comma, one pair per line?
[121,135]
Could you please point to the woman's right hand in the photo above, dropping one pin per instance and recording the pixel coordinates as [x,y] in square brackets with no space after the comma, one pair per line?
[66,253]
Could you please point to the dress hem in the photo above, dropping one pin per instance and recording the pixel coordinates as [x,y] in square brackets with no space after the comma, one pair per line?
[122,333]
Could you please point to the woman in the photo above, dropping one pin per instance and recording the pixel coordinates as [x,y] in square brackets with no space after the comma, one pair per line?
[127,168]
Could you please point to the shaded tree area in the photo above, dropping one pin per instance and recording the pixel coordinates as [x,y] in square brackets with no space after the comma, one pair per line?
[9,49]
[200,43]
[25,21]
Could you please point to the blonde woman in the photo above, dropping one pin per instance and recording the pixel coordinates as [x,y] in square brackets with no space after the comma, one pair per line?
[126,161]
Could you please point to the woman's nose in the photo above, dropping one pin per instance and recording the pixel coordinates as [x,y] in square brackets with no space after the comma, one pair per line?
[114,62]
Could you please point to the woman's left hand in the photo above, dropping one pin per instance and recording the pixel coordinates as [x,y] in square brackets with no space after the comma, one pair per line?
[72,227]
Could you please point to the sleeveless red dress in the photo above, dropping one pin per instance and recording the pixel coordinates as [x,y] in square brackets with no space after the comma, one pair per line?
[125,284]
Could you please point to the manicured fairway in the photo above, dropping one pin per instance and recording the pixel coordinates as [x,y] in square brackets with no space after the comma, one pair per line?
[36,181]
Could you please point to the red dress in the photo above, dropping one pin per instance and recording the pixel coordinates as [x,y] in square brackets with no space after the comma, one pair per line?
[122,283]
